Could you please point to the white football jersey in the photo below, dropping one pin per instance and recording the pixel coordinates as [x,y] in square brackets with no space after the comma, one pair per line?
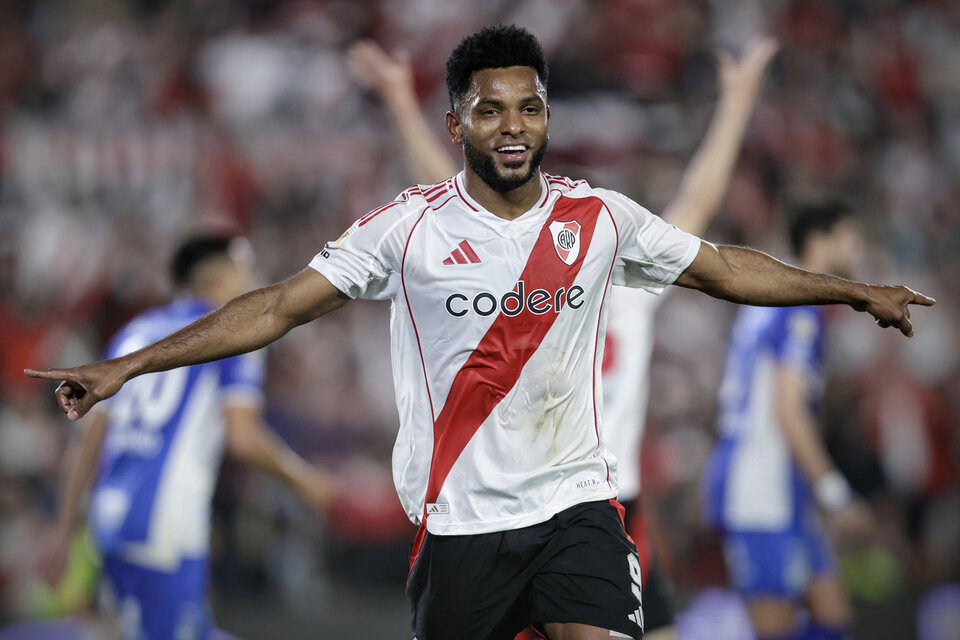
[497,331]
[626,380]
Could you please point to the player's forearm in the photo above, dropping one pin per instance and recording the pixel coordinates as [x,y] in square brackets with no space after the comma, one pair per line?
[747,276]
[429,161]
[246,323]
[81,464]
[830,488]
[800,431]
[706,178]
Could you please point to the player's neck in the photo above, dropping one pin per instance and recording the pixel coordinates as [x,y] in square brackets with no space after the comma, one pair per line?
[508,205]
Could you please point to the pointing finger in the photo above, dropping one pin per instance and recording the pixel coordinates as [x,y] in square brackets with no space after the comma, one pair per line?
[49,374]
[919,298]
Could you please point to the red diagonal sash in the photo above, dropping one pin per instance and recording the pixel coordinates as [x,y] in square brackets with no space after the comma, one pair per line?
[493,368]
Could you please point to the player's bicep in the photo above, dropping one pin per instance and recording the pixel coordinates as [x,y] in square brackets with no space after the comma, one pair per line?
[307,296]
[707,268]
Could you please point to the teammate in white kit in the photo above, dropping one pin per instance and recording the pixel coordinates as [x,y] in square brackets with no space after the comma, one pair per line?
[498,279]
[155,449]
[769,470]
[629,338]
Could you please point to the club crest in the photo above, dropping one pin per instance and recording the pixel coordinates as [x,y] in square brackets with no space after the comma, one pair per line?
[566,240]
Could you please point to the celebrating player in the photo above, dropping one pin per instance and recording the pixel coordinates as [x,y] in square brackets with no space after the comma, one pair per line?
[769,456]
[629,337]
[158,444]
[498,279]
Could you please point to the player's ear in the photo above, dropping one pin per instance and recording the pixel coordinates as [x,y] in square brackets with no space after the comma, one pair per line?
[454,127]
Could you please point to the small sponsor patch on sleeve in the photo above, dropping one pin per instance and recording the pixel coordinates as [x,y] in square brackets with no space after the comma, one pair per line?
[346,234]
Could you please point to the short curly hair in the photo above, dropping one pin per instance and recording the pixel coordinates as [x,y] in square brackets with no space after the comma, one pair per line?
[819,217]
[196,251]
[492,47]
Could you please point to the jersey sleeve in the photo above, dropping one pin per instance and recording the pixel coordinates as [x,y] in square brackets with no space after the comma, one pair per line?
[651,253]
[364,262]
[241,379]
[798,337]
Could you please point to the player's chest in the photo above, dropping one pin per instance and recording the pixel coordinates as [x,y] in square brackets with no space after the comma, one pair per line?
[542,266]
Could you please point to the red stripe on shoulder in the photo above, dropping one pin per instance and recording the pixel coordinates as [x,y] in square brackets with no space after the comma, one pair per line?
[437,195]
[376,212]
[444,185]
[436,207]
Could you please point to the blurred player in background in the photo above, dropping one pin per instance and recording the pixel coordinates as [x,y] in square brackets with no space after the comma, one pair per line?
[770,470]
[629,340]
[155,449]
[498,279]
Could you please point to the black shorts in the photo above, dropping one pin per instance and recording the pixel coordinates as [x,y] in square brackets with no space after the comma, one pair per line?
[657,589]
[579,566]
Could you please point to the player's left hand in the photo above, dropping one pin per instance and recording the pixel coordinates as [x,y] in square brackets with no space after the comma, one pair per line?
[890,306]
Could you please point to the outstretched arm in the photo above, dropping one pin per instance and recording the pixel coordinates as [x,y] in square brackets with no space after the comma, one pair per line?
[705,180]
[748,276]
[246,323]
[391,78]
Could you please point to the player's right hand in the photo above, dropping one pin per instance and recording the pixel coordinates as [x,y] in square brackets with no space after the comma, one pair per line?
[890,306]
[83,387]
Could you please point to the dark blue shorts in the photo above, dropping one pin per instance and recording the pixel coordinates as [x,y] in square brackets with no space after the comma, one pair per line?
[159,605]
[778,563]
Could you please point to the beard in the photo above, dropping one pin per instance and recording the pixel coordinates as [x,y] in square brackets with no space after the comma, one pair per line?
[485,167]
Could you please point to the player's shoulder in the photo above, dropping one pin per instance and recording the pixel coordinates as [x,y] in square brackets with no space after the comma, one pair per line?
[569,187]
[614,201]
[412,201]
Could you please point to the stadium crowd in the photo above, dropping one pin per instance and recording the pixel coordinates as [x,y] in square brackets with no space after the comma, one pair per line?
[126,126]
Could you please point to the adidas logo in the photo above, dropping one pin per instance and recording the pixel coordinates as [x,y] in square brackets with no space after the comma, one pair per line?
[463,254]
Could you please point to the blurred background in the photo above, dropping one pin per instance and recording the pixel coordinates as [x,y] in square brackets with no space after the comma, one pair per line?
[127,125]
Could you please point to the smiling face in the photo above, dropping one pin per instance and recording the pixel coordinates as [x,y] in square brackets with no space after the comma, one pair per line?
[502,123]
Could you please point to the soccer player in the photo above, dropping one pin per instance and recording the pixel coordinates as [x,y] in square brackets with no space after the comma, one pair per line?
[498,279]
[769,470]
[629,338]
[157,445]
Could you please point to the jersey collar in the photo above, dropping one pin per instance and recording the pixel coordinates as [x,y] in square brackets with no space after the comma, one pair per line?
[528,216]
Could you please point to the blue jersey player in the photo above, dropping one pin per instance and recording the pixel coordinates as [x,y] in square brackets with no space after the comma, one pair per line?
[155,449]
[770,471]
